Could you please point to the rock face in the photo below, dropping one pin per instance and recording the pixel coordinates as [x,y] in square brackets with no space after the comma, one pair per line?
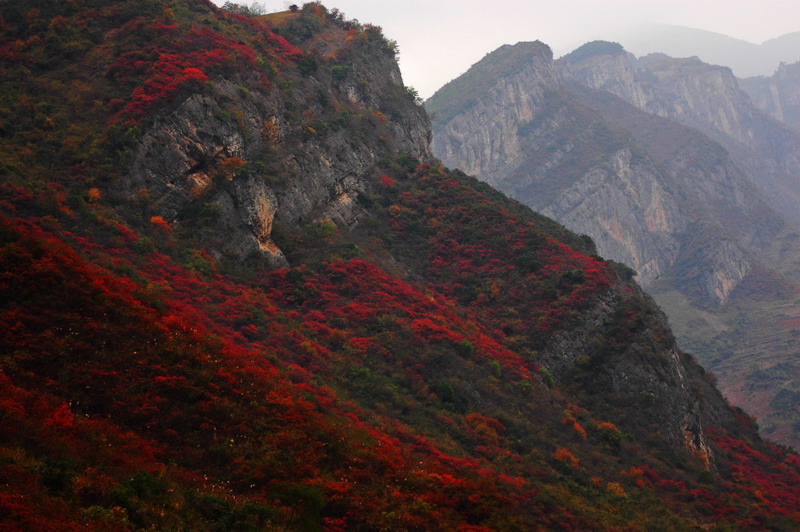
[778,95]
[709,99]
[612,69]
[218,153]
[568,152]
[687,90]
[695,94]
[484,137]
[665,163]
[648,372]
[619,190]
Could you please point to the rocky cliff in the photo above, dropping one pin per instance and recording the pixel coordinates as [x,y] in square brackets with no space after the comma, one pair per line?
[708,98]
[253,155]
[778,95]
[624,177]
[524,75]
[519,133]
[663,197]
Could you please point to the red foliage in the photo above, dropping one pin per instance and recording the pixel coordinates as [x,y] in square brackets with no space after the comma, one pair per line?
[566,457]
[770,481]
[215,355]
[161,223]
[186,373]
[492,258]
[175,58]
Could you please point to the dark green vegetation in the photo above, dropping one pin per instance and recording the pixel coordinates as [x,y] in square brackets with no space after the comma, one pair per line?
[448,362]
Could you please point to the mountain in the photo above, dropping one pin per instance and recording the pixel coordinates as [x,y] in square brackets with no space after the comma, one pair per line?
[563,149]
[707,98]
[574,140]
[744,58]
[238,293]
[779,94]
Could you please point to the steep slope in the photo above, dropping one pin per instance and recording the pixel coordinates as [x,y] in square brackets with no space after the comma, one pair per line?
[778,94]
[759,321]
[207,330]
[654,194]
[589,160]
[708,98]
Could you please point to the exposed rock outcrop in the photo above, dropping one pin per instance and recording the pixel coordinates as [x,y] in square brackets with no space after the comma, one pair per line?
[606,203]
[484,137]
[708,98]
[220,151]
[650,371]
[778,95]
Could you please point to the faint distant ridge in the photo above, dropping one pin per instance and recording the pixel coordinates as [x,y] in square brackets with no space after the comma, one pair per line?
[744,58]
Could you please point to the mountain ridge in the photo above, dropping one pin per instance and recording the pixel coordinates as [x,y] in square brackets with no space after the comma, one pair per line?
[661,196]
[208,329]
[745,58]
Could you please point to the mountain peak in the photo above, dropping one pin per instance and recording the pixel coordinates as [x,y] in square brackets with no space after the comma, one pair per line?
[594,48]
[501,63]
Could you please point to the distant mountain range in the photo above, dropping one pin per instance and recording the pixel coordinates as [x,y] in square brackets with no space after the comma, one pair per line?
[744,58]
[670,167]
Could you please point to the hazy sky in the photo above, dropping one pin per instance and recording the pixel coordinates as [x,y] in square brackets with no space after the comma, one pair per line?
[439,40]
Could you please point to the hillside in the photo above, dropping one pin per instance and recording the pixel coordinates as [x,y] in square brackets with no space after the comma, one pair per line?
[620,149]
[238,294]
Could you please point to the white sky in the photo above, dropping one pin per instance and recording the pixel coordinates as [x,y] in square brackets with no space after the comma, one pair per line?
[441,39]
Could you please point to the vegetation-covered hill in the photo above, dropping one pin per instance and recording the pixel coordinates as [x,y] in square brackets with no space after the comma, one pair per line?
[236,295]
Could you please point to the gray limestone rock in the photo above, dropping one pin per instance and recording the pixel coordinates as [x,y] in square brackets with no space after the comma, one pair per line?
[222,149]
